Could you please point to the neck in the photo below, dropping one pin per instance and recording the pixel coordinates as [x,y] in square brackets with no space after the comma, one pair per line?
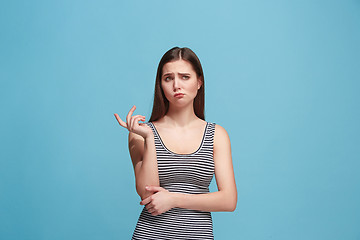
[180,117]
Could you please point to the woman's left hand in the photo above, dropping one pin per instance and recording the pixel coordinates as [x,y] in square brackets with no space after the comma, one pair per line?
[161,201]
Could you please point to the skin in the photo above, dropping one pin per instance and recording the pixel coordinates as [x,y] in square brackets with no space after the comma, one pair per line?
[179,125]
[142,152]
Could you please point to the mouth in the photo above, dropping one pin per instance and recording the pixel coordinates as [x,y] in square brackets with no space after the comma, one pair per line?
[179,95]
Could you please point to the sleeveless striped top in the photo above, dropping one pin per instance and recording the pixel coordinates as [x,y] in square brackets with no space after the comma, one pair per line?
[182,173]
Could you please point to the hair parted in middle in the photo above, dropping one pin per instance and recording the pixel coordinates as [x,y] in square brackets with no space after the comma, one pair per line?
[161,104]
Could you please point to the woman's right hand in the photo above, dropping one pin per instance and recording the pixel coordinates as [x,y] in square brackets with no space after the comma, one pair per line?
[133,125]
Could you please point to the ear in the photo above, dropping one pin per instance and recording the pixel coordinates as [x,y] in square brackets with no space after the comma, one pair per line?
[199,83]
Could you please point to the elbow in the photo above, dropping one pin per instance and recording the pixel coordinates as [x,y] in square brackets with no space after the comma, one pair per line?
[231,208]
[231,204]
[141,192]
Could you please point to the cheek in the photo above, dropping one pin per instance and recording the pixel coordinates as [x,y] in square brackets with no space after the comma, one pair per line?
[165,89]
[194,87]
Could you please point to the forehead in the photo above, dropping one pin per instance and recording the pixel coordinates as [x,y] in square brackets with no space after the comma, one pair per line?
[178,66]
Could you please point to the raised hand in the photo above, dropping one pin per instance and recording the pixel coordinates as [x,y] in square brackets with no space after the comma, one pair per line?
[159,202]
[133,125]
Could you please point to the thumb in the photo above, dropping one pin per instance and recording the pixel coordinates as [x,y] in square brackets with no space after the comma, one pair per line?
[154,188]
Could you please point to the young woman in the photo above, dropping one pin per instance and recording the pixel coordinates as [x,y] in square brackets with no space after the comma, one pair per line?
[176,153]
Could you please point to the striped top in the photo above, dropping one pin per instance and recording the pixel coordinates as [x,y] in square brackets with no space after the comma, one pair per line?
[182,173]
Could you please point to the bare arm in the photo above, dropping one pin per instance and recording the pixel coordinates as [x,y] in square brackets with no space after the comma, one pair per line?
[143,156]
[142,152]
[225,199]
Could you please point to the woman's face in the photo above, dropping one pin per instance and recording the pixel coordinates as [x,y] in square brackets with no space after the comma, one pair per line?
[179,82]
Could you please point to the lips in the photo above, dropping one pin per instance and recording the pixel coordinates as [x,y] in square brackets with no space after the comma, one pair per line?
[179,95]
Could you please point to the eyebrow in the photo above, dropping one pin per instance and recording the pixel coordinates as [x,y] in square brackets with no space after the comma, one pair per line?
[179,73]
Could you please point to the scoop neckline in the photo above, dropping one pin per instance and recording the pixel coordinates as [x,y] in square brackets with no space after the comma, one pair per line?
[181,154]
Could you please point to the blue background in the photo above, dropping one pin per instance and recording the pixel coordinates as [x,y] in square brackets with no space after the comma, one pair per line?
[282,77]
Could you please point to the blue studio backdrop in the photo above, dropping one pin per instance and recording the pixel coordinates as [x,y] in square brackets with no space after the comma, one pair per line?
[282,77]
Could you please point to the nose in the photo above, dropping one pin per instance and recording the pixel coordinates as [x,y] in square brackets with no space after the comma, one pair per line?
[176,84]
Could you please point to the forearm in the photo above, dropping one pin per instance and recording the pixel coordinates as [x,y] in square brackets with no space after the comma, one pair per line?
[148,172]
[219,201]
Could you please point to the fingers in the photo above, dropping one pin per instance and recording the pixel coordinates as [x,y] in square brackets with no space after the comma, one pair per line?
[149,206]
[146,201]
[152,209]
[121,122]
[128,117]
[131,121]
[154,188]
[153,212]
[133,124]
[135,121]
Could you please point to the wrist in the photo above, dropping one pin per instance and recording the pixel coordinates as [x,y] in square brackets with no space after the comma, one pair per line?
[175,199]
[149,137]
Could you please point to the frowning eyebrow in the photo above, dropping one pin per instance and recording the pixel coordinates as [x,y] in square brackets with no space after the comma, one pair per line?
[166,74]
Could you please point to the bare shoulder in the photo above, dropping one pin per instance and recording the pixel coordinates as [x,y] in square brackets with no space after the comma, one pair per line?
[220,133]
[221,137]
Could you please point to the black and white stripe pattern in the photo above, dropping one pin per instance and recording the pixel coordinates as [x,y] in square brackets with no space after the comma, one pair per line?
[183,173]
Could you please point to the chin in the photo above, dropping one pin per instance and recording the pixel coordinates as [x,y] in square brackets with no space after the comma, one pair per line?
[180,103]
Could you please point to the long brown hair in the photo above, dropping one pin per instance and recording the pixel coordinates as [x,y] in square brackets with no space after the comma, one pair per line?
[161,104]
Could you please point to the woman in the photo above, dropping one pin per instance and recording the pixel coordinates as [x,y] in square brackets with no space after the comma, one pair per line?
[172,170]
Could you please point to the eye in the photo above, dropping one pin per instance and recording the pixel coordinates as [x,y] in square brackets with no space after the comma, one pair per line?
[186,77]
[167,78]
